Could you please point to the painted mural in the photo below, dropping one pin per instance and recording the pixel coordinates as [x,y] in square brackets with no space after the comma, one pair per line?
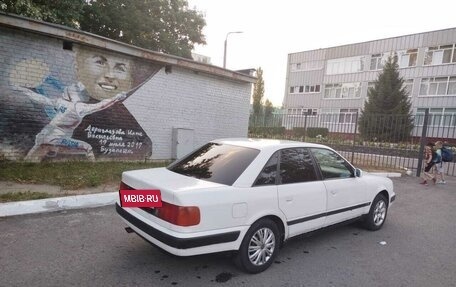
[71,106]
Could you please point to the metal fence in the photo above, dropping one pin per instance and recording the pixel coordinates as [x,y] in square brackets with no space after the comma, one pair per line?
[381,141]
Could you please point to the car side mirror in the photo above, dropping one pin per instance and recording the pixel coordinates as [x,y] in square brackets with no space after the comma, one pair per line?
[358,172]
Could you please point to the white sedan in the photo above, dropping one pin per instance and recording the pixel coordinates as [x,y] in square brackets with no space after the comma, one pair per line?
[250,196]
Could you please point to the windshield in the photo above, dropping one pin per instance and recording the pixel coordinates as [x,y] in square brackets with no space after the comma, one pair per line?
[220,163]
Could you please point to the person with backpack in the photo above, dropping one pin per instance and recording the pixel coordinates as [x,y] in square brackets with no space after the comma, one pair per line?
[439,163]
[447,153]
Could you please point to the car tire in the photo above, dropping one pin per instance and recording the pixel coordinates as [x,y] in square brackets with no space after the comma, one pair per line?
[376,217]
[259,247]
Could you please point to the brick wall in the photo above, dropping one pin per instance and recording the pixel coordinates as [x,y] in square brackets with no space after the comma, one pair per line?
[212,107]
[70,101]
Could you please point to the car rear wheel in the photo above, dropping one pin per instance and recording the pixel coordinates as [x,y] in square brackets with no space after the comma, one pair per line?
[376,217]
[259,247]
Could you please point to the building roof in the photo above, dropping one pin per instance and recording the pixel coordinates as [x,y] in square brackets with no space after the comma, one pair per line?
[370,41]
[89,39]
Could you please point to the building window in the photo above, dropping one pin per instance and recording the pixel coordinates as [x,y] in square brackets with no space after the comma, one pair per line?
[307,66]
[347,116]
[302,112]
[408,86]
[376,62]
[332,91]
[312,112]
[449,117]
[343,91]
[370,85]
[294,111]
[330,115]
[296,89]
[451,86]
[440,86]
[438,55]
[345,65]
[341,116]
[438,117]
[305,89]
[313,89]
[407,58]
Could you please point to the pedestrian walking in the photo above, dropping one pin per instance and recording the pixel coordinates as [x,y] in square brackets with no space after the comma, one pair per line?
[439,164]
[428,156]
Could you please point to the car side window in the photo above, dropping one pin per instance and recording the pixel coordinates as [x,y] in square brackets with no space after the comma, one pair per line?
[269,173]
[331,164]
[296,165]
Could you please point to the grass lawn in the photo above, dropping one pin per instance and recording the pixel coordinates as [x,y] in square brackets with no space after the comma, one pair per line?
[69,175]
[76,175]
[19,196]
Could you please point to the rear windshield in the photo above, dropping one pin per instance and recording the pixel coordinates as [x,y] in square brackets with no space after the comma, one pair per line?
[220,163]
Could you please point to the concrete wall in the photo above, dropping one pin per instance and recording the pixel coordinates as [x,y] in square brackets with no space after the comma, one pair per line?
[63,100]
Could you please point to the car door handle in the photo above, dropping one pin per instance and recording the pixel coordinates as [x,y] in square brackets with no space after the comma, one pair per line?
[289,199]
[333,192]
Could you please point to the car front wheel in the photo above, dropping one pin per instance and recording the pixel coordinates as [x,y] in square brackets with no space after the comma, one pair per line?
[376,217]
[259,247]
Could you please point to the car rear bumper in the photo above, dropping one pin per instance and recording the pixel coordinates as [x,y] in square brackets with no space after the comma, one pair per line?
[184,244]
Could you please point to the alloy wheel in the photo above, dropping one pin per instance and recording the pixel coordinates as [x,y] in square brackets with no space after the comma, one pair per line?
[379,212]
[261,246]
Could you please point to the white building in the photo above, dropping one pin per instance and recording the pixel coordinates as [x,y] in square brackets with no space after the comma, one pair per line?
[336,80]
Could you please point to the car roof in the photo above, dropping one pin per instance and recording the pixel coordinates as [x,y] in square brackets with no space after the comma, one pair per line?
[263,144]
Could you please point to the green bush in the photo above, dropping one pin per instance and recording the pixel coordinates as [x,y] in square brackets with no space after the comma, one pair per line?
[299,132]
[266,131]
[314,132]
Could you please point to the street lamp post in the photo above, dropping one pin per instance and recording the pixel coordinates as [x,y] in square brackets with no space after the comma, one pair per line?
[226,40]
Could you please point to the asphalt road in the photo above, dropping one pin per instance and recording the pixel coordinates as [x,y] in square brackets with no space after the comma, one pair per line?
[90,248]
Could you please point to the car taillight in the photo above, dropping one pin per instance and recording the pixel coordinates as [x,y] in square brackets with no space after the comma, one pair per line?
[179,215]
[124,186]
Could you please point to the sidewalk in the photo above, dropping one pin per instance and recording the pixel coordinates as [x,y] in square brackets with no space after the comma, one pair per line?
[60,199]
[53,190]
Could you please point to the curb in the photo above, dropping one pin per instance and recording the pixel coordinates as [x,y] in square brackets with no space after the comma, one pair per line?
[387,174]
[57,203]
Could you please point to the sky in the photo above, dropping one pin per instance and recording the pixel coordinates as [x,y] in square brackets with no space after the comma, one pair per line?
[274,29]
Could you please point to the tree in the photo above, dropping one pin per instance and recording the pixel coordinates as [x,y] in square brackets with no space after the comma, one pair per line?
[268,109]
[386,115]
[258,93]
[63,12]
[167,26]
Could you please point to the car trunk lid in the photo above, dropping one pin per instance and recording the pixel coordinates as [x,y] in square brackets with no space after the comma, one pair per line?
[169,183]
